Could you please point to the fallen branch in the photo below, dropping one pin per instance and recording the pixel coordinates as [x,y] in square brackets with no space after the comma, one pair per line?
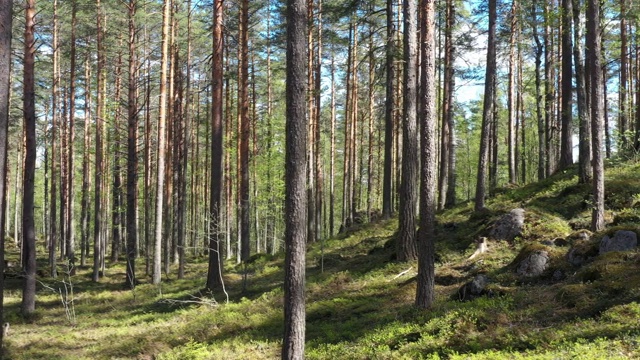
[196,300]
[402,273]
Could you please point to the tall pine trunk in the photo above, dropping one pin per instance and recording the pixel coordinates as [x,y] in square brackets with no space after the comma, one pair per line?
[594,56]
[6,19]
[29,111]
[295,184]
[406,245]
[566,145]
[425,291]
[214,274]
[162,118]
[585,169]
[387,183]
[487,112]
[132,151]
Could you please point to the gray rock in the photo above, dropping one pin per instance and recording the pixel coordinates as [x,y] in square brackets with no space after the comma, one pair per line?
[623,240]
[473,289]
[534,264]
[508,226]
[581,252]
[558,275]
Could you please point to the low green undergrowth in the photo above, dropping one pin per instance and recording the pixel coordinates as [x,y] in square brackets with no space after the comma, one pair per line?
[360,300]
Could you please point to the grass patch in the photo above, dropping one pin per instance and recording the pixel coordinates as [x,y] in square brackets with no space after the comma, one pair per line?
[360,300]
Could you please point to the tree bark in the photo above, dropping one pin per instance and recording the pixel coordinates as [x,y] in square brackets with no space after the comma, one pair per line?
[295,171]
[244,136]
[214,274]
[549,131]
[425,292]
[585,169]
[6,19]
[29,110]
[623,120]
[594,55]
[53,240]
[511,95]
[132,151]
[84,202]
[162,118]
[406,244]
[98,245]
[566,147]
[487,112]
[542,155]
[69,217]
[387,199]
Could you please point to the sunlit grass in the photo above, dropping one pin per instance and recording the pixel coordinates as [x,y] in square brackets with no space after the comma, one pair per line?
[360,300]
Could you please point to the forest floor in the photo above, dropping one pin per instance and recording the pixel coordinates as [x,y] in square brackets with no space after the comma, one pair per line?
[360,301]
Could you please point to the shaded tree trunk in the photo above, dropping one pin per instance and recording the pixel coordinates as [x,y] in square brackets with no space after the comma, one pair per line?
[594,56]
[387,184]
[566,145]
[542,155]
[132,151]
[295,184]
[244,136]
[447,180]
[84,202]
[6,19]
[623,120]
[53,239]
[585,171]
[29,110]
[487,112]
[214,274]
[425,292]
[99,244]
[511,95]
[70,241]
[406,244]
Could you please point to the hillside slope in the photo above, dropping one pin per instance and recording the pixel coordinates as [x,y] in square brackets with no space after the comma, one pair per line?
[360,300]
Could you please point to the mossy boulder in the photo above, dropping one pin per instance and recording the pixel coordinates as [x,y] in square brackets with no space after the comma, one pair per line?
[534,264]
[583,251]
[609,279]
[623,240]
[539,261]
[508,226]
[579,235]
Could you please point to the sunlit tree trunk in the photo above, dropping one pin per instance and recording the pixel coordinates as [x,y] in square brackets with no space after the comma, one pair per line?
[70,241]
[594,56]
[98,245]
[162,118]
[84,202]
